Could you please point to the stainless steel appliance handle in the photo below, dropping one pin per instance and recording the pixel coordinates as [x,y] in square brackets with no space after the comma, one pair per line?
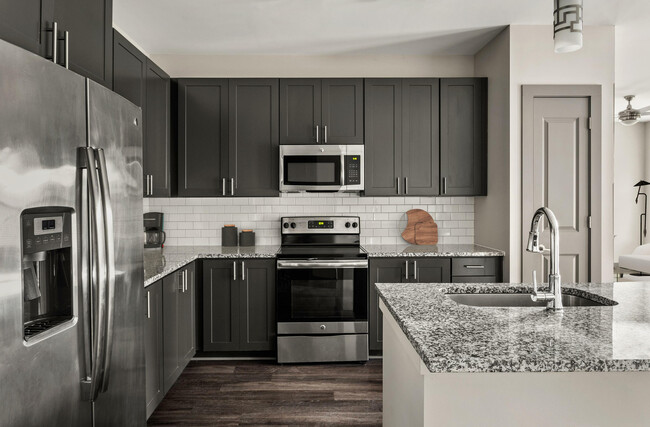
[232,186]
[148,305]
[406,275]
[317,132]
[325,134]
[406,185]
[398,180]
[415,270]
[223,186]
[476,267]
[342,170]
[99,275]
[66,46]
[86,272]
[243,271]
[307,263]
[110,263]
[234,270]
[55,42]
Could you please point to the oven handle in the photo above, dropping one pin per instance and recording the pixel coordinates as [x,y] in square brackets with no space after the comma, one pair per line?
[307,263]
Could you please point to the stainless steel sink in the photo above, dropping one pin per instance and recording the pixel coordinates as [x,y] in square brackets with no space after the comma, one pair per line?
[519,300]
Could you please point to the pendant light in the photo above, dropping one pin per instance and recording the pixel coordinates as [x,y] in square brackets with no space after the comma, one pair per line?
[567,25]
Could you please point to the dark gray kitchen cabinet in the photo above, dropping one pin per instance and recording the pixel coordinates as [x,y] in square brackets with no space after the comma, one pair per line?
[129,71]
[203,138]
[321,111]
[153,346]
[254,136]
[477,270]
[402,137]
[239,305]
[156,142]
[178,323]
[88,24]
[463,137]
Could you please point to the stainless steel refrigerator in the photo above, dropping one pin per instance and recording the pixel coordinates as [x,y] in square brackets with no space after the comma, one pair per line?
[71,276]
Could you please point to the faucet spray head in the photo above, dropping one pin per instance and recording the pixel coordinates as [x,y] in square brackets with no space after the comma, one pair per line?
[533,242]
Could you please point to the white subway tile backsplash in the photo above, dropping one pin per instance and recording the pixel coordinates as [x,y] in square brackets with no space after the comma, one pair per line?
[198,221]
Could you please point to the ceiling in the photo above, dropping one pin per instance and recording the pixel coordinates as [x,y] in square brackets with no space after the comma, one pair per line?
[329,27]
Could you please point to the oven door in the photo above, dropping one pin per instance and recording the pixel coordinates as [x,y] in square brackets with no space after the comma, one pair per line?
[322,291]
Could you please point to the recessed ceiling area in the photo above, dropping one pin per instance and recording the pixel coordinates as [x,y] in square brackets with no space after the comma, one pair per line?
[339,27]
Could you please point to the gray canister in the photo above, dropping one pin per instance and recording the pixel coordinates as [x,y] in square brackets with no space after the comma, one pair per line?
[247,238]
[229,235]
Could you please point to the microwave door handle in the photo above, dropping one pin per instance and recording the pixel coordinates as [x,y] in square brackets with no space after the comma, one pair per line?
[110,263]
[342,170]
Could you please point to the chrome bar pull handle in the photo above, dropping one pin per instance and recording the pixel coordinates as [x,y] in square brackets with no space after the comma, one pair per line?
[151,193]
[243,271]
[223,186]
[66,46]
[317,132]
[55,42]
[398,180]
[325,134]
[148,305]
[406,264]
[406,185]
[234,270]
[232,186]
[444,185]
[415,270]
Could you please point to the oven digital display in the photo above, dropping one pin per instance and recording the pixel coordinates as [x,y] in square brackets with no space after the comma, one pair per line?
[320,224]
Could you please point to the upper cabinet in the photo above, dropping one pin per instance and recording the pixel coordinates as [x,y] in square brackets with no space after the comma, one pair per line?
[425,137]
[83,40]
[321,111]
[228,137]
[463,137]
[142,82]
[402,137]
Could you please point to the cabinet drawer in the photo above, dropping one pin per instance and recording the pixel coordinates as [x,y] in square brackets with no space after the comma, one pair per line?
[474,279]
[478,266]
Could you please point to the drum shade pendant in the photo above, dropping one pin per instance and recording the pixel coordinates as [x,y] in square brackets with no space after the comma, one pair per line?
[567,25]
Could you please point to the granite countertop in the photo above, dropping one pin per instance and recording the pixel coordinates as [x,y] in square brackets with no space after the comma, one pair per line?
[451,337]
[160,262]
[442,250]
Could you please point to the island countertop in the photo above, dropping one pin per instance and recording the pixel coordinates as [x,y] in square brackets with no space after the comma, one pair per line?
[451,337]
[159,262]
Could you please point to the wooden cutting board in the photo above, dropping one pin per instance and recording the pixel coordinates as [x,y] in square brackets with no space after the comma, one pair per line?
[420,229]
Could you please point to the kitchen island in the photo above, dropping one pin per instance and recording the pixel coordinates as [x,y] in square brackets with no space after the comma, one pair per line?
[450,364]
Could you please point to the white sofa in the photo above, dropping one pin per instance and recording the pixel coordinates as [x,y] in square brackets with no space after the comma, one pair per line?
[638,260]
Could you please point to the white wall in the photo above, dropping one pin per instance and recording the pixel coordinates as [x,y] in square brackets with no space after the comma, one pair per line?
[492,213]
[316,66]
[533,61]
[630,167]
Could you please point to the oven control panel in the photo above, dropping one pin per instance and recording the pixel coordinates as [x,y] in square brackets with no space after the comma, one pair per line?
[321,225]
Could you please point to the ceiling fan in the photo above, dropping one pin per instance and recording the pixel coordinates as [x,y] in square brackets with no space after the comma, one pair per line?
[630,115]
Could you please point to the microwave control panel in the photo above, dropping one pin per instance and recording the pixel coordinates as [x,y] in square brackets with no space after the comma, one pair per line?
[353,170]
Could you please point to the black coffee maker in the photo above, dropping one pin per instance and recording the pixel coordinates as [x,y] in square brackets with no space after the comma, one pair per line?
[154,236]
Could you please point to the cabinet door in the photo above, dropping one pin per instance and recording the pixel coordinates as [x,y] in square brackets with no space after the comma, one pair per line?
[383,142]
[129,71]
[153,346]
[254,150]
[156,143]
[382,270]
[24,22]
[430,270]
[187,316]
[171,363]
[203,138]
[463,137]
[300,111]
[420,137]
[257,305]
[342,111]
[220,306]
[90,26]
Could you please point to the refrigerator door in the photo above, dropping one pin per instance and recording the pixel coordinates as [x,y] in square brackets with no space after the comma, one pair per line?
[115,125]
[42,122]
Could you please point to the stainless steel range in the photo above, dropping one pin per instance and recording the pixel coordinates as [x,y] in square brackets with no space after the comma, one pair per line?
[322,291]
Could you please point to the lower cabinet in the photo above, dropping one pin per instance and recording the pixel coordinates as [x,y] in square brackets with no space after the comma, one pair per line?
[153,346]
[425,270]
[239,305]
[169,332]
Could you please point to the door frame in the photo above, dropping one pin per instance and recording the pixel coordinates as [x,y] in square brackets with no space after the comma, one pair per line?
[594,95]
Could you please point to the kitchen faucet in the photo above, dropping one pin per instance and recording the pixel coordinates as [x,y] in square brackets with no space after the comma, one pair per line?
[554,297]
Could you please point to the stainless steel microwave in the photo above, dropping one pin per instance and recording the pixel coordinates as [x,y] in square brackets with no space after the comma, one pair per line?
[321,168]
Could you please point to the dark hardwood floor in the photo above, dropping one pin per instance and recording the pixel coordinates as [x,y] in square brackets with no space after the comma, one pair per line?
[265,393]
